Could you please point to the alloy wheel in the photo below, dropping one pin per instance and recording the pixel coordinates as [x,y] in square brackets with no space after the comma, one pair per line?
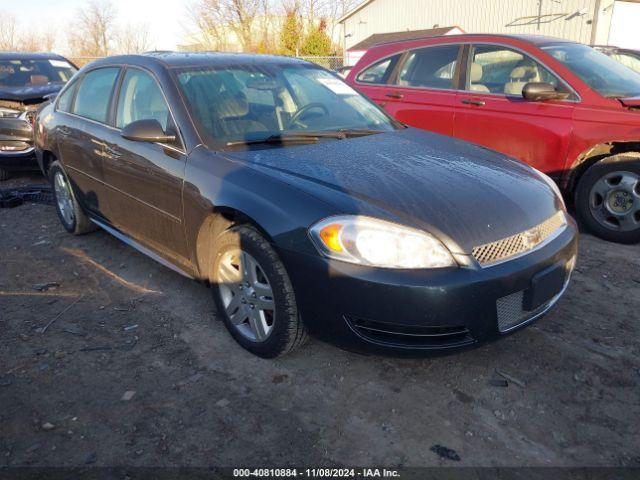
[614,201]
[64,197]
[246,295]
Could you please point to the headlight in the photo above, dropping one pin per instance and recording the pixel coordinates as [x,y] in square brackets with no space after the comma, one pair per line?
[554,186]
[368,241]
[9,113]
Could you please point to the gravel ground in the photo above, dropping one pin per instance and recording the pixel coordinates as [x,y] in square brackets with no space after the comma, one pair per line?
[135,370]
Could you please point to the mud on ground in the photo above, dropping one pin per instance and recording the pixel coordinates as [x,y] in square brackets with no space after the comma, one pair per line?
[135,370]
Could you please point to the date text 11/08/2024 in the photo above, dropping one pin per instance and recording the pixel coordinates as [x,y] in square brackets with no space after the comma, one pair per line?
[315,473]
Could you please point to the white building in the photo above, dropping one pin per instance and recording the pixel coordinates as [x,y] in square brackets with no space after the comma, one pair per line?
[596,22]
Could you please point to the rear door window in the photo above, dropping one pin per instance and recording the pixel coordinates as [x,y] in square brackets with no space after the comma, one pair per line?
[379,72]
[66,98]
[94,94]
[432,67]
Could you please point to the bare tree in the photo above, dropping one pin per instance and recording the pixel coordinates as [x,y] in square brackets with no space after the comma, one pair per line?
[217,20]
[8,32]
[93,33]
[133,38]
[29,42]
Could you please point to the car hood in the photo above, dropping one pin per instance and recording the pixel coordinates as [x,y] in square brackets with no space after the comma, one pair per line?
[465,194]
[34,94]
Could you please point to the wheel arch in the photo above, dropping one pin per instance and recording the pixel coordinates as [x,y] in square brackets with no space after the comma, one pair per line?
[48,157]
[593,155]
[220,218]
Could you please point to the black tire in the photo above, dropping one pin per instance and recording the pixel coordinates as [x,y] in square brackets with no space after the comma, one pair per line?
[288,332]
[4,174]
[624,162]
[80,223]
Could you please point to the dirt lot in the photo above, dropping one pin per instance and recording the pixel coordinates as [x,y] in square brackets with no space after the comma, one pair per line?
[122,323]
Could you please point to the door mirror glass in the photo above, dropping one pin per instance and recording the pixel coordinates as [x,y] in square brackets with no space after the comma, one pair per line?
[147,131]
[541,91]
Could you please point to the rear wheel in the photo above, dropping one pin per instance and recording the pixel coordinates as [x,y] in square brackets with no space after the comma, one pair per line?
[4,174]
[71,214]
[253,294]
[608,198]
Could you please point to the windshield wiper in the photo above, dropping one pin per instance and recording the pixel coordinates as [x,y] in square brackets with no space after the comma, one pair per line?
[297,138]
[359,132]
[307,137]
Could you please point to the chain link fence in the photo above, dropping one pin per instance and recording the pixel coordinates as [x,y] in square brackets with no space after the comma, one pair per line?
[332,63]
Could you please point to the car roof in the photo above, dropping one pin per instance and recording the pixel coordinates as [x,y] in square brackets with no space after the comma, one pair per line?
[29,56]
[537,40]
[169,59]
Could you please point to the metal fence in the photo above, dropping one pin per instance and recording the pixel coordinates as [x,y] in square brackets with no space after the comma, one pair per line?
[332,63]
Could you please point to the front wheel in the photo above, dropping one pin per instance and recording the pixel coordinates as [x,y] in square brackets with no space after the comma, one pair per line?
[254,295]
[608,198]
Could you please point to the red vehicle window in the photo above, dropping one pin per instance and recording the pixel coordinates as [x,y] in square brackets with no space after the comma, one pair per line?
[430,68]
[496,69]
[379,72]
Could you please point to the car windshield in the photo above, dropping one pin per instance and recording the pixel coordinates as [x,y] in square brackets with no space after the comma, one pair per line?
[31,73]
[249,104]
[603,74]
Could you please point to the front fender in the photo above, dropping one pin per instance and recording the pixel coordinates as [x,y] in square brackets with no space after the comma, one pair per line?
[217,188]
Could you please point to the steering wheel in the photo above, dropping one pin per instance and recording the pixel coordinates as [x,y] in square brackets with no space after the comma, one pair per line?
[298,115]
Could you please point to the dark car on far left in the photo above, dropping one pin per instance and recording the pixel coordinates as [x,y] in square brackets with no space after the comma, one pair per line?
[26,81]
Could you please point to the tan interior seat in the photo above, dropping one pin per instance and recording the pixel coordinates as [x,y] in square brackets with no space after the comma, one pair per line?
[39,80]
[519,77]
[475,77]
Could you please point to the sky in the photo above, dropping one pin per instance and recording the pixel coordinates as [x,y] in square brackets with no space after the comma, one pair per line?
[168,20]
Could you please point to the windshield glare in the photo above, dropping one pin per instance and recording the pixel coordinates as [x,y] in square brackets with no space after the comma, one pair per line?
[32,73]
[245,103]
[603,74]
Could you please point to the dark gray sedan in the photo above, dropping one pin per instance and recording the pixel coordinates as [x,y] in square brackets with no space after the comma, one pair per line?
[304,205]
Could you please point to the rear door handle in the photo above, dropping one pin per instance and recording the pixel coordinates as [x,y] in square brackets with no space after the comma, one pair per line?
[396,95]
[477,103]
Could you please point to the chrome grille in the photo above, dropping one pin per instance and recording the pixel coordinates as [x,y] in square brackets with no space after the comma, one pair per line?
[520,243]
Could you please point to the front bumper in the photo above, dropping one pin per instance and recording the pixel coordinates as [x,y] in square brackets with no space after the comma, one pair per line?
[367,309]
[16,145]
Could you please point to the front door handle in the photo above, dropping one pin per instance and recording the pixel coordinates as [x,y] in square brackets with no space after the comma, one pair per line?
[477,103]
[113,152]
[396,95]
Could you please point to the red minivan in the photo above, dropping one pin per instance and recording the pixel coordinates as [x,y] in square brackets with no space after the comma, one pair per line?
[560,106]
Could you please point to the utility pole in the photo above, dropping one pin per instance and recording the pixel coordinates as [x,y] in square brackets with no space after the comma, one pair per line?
[595,21]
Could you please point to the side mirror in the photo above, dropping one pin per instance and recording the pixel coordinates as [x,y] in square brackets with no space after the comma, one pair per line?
[146,131]
[542,92]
